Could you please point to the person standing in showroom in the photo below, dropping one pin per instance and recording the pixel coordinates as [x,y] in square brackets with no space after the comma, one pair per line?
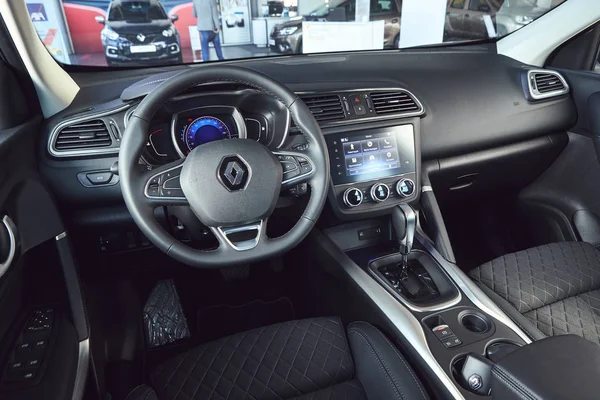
[208,25]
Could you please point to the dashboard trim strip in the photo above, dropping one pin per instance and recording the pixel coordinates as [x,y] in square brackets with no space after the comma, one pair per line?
[82,152]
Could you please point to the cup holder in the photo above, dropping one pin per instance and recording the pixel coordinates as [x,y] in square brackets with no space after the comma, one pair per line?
[474,321]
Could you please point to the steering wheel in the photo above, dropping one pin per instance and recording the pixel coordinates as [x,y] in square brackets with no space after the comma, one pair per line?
[232,186]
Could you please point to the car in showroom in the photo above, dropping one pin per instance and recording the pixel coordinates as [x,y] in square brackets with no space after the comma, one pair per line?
[414,223]
[287,37]
[139,32]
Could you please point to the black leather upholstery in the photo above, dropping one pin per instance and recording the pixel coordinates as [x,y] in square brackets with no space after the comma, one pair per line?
[380,367]
[307,359]
[562,367]
[556,287]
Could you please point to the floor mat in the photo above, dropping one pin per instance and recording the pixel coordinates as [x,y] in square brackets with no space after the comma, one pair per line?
[223,320]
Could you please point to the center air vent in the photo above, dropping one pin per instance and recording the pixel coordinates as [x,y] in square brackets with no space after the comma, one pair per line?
[325,108]
[543,84]
[84,135]
[394,103]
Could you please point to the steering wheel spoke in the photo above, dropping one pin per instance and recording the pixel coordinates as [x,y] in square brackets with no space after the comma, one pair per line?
[162,185]
[243,237]
[297,167]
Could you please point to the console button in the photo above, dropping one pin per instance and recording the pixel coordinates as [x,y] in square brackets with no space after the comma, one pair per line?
[405,187]
[380,192]
[353,197]
[452,342]
[442,332]
[99,178]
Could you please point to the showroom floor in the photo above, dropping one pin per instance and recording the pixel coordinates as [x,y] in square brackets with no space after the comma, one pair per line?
[229,52]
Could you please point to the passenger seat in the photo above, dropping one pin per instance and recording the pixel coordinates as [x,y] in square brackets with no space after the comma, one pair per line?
[547,290]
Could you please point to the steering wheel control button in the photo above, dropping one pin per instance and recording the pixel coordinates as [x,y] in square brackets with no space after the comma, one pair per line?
[405,187]
[353,197]
[99,178]
[380,192]
[233,173]
[288,166]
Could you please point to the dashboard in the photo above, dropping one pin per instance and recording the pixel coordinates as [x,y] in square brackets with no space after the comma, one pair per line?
[467,101]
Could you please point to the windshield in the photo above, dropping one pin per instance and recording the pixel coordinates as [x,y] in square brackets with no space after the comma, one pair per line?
[136,11]
[134,33]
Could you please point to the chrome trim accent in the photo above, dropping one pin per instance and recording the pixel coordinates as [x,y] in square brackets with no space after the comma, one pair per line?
[414,187]
[535,94]
[83,363]
[61,236]
[12,240]
[347,202]
[476,295]
[241,246]
[399,316]
[366,119]
[373,192]
[128,115]
[158,174]
[287,128]
[83,152]
[300,177]
[237,118]
[426,189]
[259,125]
[154,147]
[406,243]
[437,307]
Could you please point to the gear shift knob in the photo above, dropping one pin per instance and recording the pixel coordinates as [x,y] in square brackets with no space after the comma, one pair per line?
[404,220]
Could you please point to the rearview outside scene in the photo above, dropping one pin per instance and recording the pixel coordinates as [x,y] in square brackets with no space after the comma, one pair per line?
[125,33]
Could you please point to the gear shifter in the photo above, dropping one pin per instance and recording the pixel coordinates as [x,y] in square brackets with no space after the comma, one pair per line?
[404,220]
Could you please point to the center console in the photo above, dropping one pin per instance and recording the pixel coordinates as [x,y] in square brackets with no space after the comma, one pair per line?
[436,308]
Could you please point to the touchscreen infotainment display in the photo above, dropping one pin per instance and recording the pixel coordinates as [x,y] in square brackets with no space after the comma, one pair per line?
[373,154]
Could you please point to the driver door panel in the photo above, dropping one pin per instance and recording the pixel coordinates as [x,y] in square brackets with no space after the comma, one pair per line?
[38,339]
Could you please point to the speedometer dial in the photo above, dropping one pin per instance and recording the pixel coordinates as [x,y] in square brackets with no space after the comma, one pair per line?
[205,129]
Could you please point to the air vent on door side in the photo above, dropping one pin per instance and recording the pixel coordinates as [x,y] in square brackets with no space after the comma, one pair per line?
[325,108]
[83,135]
[398,102]
[543,84]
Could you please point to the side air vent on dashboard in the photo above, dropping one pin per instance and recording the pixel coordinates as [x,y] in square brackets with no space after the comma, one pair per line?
[325,108]
[543,84]
[83,135]
[394,103]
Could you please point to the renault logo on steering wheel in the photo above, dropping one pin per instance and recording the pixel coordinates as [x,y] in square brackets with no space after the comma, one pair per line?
[233,173]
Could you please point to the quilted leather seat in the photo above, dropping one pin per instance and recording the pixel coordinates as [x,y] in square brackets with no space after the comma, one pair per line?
[548,290]
[310,359]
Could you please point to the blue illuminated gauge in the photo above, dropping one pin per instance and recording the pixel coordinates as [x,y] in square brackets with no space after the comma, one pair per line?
[205,129]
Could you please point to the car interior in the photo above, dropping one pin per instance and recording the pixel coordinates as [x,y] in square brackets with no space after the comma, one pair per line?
[417,223]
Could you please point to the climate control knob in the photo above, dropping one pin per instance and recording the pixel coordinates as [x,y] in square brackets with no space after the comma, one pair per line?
[380,192]
[353,197]
[405,187]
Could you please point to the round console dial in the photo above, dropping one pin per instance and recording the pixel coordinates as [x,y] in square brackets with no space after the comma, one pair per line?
[353,197]
[405,187]
[380,192]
